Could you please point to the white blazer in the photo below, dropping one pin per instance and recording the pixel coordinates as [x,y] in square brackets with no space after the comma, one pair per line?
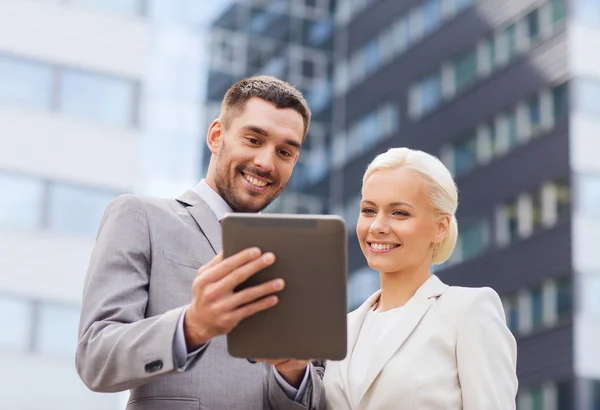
[452,351]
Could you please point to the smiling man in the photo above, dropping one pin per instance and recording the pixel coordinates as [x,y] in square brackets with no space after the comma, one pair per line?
[159,296]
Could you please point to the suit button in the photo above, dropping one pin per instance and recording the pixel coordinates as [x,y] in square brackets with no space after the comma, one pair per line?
[153,366]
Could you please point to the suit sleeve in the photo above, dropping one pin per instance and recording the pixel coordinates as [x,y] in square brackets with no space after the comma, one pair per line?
[313,397]
[486,355]
[119,348]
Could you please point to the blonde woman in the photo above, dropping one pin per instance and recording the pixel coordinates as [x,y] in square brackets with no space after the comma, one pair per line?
[419,344]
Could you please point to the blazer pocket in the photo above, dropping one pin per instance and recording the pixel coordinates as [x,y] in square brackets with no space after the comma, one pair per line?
[164,403]
[183,260]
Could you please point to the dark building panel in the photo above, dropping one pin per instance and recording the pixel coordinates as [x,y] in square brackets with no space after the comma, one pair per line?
[545,355]
[524,263]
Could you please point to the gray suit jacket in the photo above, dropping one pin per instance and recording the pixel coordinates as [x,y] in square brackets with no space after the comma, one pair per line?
[139,279]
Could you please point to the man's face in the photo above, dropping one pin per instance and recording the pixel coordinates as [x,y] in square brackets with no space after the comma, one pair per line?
[255,156]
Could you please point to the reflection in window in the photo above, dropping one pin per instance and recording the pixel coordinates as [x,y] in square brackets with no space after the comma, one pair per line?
[125,7]
[98,98]
[22,201]
[27,84]
[15,319]
[57,329]
[77,210]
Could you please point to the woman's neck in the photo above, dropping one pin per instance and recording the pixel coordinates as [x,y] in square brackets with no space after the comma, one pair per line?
[397,288]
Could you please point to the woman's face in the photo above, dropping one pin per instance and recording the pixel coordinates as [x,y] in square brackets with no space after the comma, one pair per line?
[397,225]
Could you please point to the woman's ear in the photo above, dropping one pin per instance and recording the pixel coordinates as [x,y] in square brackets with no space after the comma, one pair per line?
[442,228]
[214,137]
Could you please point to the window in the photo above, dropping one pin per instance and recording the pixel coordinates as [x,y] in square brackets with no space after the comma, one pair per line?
[26,84]
[125,7]
[559,11]
[371,56]
[95,97]
[564,393]
[564,297]
[560,101]
[533,25]
[15,316]
[320,31]
[537,399]
[429,93]
[57,329]
[537,307]
[511,309]
[460,5]
[465,69]
[534,115]
[431,15]
[563,199]
[511,40]
[21,202]
[465,155]
[473,239]
[76,210]
[512,131]
[513,222]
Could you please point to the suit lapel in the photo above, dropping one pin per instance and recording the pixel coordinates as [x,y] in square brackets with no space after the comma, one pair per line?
[204,217]
[413,312]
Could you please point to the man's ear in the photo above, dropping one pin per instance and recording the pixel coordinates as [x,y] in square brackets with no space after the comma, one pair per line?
[214,137]
[443,226]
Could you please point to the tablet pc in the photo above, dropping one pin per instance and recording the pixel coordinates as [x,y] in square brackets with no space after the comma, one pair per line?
[311,252]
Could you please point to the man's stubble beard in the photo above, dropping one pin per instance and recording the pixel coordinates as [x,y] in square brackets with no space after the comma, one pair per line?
[229,194]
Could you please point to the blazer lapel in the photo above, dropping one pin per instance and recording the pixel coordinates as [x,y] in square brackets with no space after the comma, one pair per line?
[204,217]
[414,310]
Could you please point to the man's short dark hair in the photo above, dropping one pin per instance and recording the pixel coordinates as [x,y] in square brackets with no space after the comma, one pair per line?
[271,89]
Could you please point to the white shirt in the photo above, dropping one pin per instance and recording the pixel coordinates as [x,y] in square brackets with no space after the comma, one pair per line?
[375,327]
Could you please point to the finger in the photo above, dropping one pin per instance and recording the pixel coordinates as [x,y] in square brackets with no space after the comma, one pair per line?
[214,261]
[255,307]
[227,265]
[251,294]
[242,273]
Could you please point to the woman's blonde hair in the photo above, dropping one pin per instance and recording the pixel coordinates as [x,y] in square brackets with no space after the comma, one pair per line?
[440,186]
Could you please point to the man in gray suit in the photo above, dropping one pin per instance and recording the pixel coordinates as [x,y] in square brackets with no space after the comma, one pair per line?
[158,296]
